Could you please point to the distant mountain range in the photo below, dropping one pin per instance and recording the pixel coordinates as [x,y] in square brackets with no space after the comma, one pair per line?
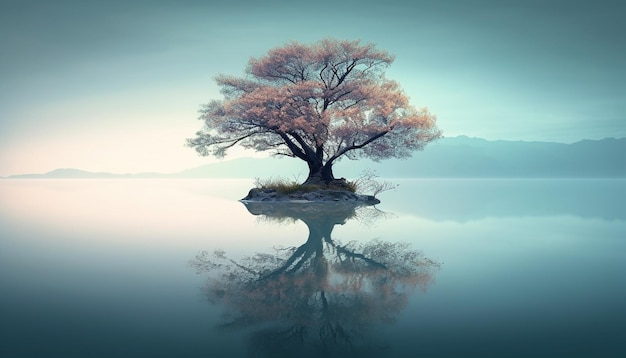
[455,157]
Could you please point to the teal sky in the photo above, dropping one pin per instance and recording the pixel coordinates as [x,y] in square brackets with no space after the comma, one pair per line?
[115,85]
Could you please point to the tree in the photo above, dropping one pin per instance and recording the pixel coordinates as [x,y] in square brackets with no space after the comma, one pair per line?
[317,103]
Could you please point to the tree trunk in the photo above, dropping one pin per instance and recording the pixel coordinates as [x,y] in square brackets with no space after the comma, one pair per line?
[320,174]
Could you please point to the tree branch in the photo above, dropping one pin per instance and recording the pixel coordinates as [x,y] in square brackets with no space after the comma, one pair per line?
[356,146]
[308,151]
[292,146]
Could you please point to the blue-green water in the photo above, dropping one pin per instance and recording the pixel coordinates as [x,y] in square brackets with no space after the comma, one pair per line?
[441,268]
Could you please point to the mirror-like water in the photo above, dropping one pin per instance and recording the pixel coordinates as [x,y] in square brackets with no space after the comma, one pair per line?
[441,268]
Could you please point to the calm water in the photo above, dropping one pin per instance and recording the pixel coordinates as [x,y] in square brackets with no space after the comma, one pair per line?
[441,268]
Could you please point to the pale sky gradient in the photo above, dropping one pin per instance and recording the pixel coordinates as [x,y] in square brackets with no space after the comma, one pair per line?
[115,85]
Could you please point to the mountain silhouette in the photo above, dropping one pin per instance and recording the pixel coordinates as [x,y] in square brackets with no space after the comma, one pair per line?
[455,157]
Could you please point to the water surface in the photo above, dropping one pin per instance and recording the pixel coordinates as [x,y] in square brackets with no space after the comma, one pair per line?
[441,268]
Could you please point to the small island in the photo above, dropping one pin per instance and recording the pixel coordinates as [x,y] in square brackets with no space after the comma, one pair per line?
[362,191]
[308,193]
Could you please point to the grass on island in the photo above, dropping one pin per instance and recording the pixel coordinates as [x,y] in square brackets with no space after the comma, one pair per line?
[286,186]
[366,183]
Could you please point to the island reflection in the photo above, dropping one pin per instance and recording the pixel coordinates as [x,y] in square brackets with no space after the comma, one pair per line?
[321,298]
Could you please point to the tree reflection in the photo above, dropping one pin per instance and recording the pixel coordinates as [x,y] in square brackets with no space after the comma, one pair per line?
[321,297]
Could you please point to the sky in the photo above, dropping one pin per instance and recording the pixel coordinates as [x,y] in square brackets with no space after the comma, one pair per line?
[116,85]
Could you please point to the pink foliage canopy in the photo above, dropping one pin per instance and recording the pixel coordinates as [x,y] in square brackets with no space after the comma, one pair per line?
[318,103]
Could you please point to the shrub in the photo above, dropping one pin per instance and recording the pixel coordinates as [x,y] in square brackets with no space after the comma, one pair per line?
[367,184]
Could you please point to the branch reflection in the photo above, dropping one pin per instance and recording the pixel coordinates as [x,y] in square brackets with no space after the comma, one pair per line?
[320,298]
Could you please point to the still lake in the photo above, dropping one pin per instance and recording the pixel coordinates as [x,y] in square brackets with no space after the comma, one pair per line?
[440,268]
